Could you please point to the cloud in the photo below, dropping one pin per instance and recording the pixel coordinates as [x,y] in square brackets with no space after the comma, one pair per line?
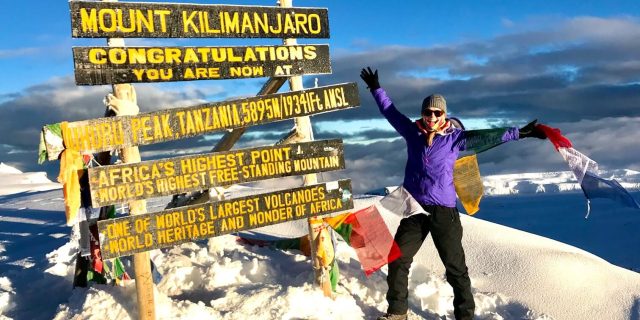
[611,142]
[61,100]
[573,69]
[372,166]
[580,74]
[364,135]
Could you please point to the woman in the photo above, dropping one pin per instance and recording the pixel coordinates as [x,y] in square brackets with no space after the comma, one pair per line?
[433,144]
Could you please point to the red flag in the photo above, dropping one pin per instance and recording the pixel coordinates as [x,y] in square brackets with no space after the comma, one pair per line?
[366,232]
[555,136]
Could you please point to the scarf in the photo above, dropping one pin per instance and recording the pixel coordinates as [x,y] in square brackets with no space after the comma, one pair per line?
[444,129]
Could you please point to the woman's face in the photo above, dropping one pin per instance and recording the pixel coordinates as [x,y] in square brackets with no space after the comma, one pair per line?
[433,118]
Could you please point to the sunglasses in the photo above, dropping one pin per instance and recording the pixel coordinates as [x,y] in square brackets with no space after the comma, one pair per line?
[436,113]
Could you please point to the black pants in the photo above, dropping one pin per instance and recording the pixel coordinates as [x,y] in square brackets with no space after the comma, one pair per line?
[446,231]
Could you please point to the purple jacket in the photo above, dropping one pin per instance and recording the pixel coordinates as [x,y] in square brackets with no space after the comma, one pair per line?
[428,175]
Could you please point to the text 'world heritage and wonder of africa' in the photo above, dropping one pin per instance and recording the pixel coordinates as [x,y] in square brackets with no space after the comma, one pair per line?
[127,235]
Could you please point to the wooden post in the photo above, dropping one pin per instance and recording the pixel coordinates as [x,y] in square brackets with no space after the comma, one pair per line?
[141,261]
[304,131]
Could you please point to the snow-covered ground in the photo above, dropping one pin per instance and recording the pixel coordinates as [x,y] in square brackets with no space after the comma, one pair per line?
[515,274]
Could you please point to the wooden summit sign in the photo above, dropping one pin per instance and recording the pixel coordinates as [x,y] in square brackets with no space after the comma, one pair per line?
[134,180]
[109,65]
[172,20]
[120,183]
[113,133]
[128,235]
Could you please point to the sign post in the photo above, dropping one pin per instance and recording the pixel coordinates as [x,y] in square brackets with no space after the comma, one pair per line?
[134,180]
[141,261]
[305,132]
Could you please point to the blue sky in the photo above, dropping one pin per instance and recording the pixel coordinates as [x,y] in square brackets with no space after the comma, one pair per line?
[571,64]
[36,41]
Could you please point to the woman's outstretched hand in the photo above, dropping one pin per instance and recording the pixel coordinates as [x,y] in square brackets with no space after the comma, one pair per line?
[370,78]
[531,130]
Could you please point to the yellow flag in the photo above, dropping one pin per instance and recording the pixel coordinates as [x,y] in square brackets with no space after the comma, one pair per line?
[322,243]
[468,184]
[324,253]
[70,164]
[336,221]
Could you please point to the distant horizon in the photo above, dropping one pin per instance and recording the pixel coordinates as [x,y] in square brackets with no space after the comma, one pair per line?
[632,186]
[529,257]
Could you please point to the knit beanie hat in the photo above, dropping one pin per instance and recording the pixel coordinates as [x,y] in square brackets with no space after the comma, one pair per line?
[434,101]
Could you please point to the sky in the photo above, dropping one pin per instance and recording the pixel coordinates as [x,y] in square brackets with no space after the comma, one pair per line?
[569,64]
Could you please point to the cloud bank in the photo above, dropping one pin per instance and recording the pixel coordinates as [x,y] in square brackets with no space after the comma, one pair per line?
[581,75]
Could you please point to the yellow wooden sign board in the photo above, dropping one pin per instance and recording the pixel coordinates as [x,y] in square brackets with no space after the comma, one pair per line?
[124,182]
[91,19]
[113,133]
[128,235]
[109,65]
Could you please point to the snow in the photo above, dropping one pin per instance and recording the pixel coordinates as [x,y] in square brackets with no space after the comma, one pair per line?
[515,274]
[13,181]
